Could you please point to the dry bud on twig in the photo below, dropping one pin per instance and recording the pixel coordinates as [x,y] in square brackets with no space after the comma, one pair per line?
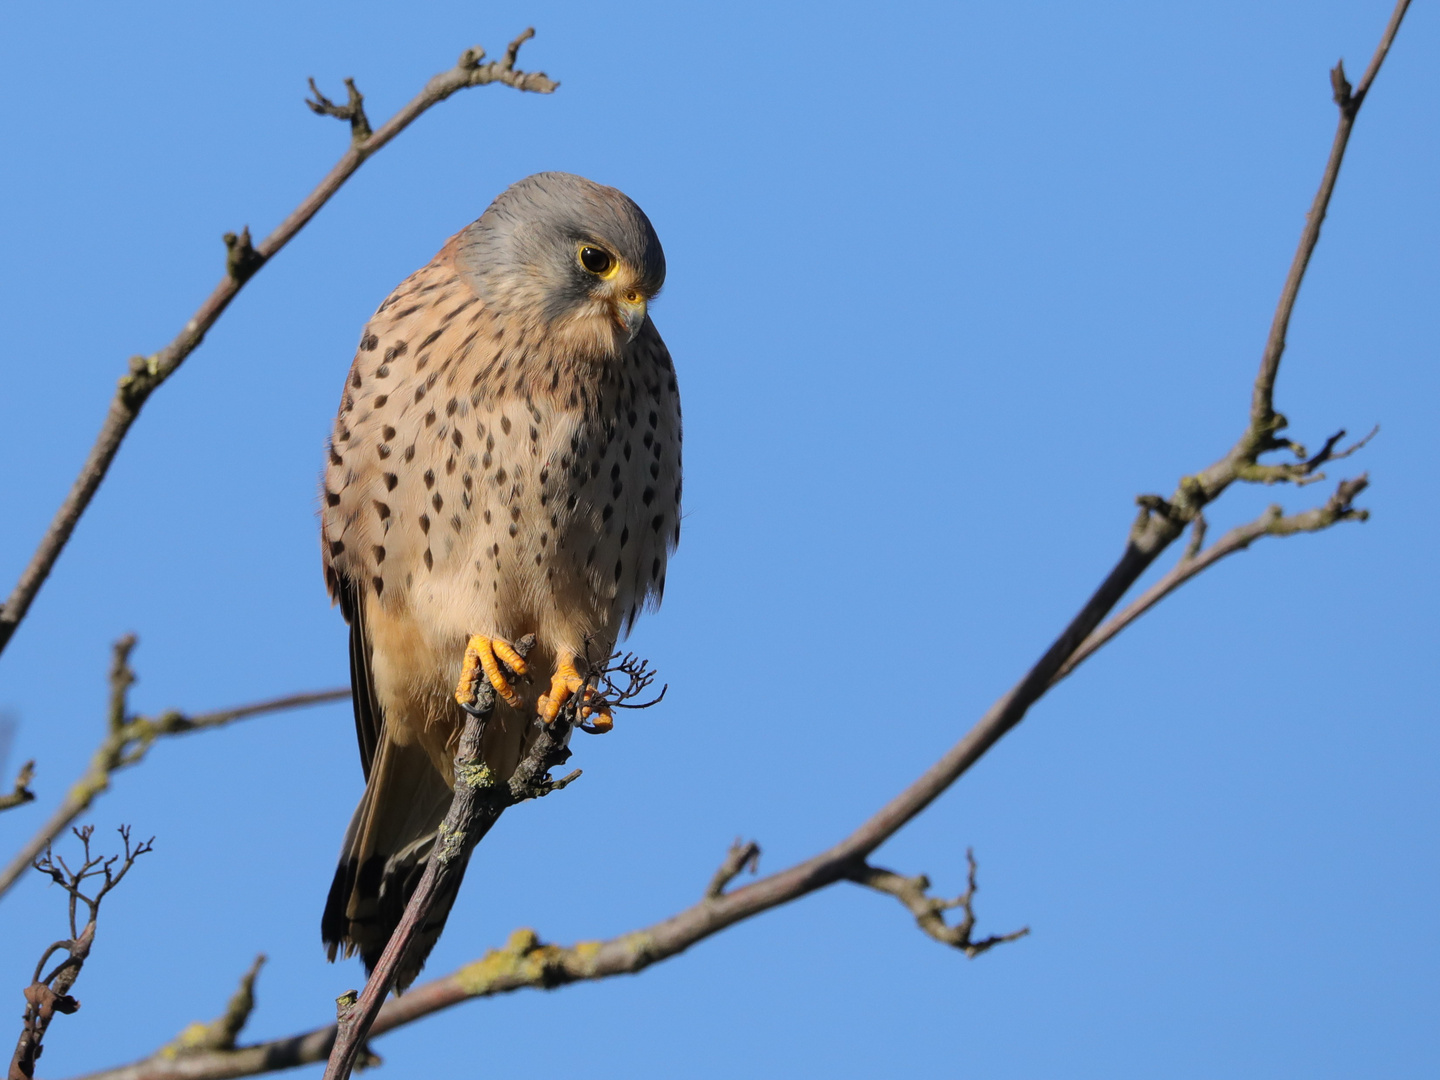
[22,793]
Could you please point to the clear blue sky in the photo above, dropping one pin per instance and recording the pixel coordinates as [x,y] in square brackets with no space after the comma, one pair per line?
[949,285]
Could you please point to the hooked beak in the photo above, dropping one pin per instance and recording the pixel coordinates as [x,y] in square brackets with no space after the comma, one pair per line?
[630,315]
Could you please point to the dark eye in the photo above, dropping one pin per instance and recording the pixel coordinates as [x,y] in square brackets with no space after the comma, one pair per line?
[596,260]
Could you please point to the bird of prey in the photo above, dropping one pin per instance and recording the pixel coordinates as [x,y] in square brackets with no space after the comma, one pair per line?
[505,462]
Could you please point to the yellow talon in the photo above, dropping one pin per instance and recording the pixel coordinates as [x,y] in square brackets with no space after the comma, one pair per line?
[598,721]
[564,685]
[506,652]
[481,655]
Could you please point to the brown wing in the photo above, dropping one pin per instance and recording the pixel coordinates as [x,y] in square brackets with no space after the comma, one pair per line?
[349,594]
[369,717]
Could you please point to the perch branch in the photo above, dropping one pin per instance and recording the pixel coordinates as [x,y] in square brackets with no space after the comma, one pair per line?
[480,797]
[128,739]
[526,962]
[148,372]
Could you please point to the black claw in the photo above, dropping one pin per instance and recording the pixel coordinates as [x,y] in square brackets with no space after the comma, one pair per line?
[484,701]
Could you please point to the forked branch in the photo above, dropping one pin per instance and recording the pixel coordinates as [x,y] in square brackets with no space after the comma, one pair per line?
[1273,522]
[929,911]
[740,857]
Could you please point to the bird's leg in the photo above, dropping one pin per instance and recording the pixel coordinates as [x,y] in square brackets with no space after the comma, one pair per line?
[487,654]
[564,685]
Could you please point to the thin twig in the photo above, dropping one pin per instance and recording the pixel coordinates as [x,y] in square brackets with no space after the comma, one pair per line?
[1307,469]
[128,739]
[22,793]
[1273,522]
[1262,407]
[525,962]
[929,911]
[50,994]
[739,857]
[353,110]
[148,372]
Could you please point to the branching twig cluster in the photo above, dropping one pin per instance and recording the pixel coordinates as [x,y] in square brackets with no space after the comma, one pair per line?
[929,911]
[49,994]
[619,680]
[353,110]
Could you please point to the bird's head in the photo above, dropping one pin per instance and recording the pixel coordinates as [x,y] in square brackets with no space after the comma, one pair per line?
[576,257]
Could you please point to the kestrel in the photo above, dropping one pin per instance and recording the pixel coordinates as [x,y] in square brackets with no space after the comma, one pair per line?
[506,461]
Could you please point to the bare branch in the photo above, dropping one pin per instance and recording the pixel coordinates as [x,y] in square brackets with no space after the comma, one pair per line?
[1272,522]
[353,110]
[128,739]
[148,372]
[929,911]
[480,797]
[1263,417]
[504,70]
[526,962]
[241,262]
[50,994]
[22,793]
[1305,471]
[614,683]
[740,857]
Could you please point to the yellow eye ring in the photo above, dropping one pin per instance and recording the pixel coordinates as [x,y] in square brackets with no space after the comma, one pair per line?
[598,261]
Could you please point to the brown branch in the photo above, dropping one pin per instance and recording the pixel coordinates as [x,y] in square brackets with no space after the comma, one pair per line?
[740,857]
[353,110]
[1263,417]
[480,797]
[50,994]
[929,911]
[22,793]
[1272,522]
[128,739]
[525,962]
[148,372]
[1306,470]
